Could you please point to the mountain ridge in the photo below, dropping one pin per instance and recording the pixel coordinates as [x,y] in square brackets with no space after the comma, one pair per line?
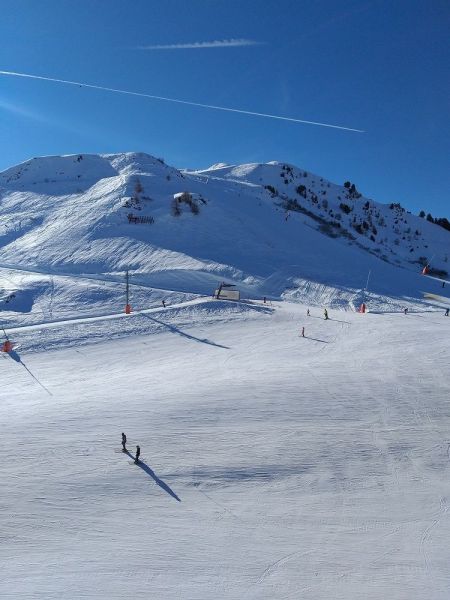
[272,228]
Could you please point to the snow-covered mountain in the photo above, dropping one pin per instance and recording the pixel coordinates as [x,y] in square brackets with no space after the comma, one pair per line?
[283,455]
[272,228]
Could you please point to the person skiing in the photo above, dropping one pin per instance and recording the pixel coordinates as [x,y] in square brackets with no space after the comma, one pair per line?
[307,313]
[163,303]
[303,332]
[325,314]
[124,442]
[405,310]
[447,310]
[138,453]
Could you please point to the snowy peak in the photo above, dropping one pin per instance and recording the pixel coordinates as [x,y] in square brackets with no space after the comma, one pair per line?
[58,174]
[219,165]
[273,228]
[57,169]
[135,163]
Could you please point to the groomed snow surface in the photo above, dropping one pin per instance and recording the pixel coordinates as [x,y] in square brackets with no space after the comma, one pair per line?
[273,466]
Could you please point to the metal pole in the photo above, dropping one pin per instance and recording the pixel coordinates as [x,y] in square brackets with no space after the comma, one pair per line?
[365,289]
[367,282]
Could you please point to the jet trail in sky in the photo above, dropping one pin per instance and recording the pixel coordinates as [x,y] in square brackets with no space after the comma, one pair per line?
[152,97]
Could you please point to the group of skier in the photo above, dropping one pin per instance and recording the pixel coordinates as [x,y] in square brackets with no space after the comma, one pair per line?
[124,448]
[308,314]
[325,314]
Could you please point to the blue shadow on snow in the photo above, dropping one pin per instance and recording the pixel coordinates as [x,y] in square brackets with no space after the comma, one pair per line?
[162,484]
[15,356]
[174,329]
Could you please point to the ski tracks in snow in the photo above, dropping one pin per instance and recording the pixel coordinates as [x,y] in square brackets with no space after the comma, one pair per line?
[272,567]
[221,506]
[425,538]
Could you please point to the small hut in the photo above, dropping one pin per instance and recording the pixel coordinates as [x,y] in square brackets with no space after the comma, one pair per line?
[227,291]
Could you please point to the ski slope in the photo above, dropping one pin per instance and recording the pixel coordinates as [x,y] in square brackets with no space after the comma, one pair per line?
[272,466]
[69,228]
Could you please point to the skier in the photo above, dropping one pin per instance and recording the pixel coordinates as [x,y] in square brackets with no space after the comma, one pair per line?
[124,442]
[405,310]
[163,303]
[264,299]
[303,332]
[325,314]
[447,311]
[138,453]
[307,313]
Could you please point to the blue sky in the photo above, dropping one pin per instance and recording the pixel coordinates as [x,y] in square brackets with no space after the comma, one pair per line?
[380,66]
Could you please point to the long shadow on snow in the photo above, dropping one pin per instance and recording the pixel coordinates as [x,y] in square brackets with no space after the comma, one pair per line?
[15,356]
[162,484]
[256,307]
[338,321]
[266,473]
[329,319]
[174,329]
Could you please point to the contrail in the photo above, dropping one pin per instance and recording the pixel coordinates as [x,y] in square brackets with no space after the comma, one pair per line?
[151,96]
[232,43]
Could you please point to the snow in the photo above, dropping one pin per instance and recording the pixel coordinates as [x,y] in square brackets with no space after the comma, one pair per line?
[273,466]
[68,217]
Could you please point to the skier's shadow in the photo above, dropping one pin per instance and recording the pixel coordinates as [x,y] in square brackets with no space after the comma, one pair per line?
[162,484]
[338,321]
[329,319]
[15,356]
